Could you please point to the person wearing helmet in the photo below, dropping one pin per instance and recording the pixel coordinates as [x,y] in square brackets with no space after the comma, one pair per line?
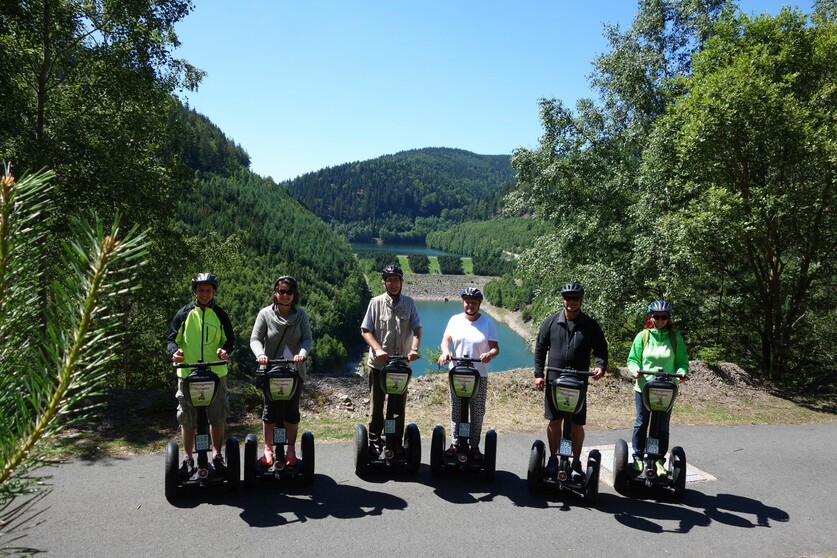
[657,347]
[201,330]
[473,335]
[391,326]
[282,330]
[568,339]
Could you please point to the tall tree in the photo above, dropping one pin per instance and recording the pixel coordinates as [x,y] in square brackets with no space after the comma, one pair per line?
[746,162]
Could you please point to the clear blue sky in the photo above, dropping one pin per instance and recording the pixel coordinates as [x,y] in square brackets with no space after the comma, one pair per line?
[302,85]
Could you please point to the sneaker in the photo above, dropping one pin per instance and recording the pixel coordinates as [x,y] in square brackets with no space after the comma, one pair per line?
[552,466]
[290,457]
[577,473]
[638,465]
[452,451]
[267,458]
[218,463]
[400,452]
[661,468]
[476,455]
[187,468]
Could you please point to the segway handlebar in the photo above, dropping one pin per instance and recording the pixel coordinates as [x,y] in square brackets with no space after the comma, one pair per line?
[200,364]
[397,358]
[661,373]
[571,371]
[464,360]
[281,361]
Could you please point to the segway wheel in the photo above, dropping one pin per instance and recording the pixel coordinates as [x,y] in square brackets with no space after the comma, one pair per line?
[489,462]
[412,446]
[233,464]
[620,466]
[591,484]
[437,449]
[172,471]
[534,475]
[678,471]
[361,450]
[307,458]
[251,450]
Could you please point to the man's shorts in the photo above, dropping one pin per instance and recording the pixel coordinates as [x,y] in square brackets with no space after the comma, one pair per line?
[217,412]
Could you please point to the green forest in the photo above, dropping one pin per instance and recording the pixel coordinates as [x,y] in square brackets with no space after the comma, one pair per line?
[403,197]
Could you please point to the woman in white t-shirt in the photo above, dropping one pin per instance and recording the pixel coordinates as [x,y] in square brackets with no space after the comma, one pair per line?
[472,335]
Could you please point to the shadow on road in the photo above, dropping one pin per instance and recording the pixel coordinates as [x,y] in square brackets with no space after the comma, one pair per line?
[268,504]
[646,513]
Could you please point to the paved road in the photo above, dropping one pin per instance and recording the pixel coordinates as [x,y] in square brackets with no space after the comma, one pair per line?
[774,495]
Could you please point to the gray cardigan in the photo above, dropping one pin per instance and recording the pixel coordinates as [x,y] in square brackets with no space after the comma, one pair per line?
[293,331]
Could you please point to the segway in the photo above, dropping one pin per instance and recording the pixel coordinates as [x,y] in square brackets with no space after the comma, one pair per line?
[395,377]
[279,383]
[464,381]
[201,388]
[568,392]
[658,395]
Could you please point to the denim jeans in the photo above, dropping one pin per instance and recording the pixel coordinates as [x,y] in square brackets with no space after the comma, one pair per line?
[643,420]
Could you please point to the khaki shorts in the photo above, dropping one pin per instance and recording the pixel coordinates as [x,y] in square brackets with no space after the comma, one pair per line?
[217,412]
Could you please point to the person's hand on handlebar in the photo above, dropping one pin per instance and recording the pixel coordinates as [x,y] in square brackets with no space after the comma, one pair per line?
[599,374]
[222,354]
[539,383]
[262,360]
[177,356]
[298,358]
[444,358]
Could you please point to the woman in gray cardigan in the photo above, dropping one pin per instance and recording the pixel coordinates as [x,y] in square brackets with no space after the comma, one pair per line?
[282,330]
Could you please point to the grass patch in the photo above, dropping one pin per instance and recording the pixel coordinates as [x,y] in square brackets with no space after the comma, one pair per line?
[434,264]
[468,266]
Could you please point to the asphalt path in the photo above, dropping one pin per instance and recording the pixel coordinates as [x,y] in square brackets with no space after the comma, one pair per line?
[773,495]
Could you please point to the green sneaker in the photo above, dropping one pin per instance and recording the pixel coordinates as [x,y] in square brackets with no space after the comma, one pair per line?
[638,465]
[661,468]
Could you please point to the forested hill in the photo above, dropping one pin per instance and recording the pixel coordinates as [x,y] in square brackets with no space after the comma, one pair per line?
[249,230]
[405,195]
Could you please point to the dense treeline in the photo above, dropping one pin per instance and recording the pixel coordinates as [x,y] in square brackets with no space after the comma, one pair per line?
[419,263]
[402,197]
[482,238]
[450,265]
[704,176]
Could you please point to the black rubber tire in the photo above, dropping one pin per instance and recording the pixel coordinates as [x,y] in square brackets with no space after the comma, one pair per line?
[620,466]
[172,485]
[437,449]
[412,447]
[233,464]
[361,450]
[534,475]
[251,452]
[489,456]
[591,483]
[307,458]
[678,471]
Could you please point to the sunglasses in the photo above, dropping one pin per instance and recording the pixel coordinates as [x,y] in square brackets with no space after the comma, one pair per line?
[572,297]
[284,292]
[660,316]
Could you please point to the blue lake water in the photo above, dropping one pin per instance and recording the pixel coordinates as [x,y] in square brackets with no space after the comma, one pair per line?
[514,352]
[399,249]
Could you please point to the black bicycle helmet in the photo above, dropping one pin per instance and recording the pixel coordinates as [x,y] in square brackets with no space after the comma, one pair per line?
[471,292]
[573,287]
[286,279]
[392,270]
[659,306]
[204,279]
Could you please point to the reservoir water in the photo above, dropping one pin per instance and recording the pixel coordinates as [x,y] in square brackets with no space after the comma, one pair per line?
[514,351]
[399,249]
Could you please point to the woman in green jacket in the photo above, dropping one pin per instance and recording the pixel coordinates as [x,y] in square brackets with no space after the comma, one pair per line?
[658,347]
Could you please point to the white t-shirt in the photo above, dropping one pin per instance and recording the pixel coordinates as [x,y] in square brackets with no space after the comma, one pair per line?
[471,338]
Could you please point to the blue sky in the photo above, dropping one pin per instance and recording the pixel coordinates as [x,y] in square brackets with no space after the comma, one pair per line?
[302,85]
